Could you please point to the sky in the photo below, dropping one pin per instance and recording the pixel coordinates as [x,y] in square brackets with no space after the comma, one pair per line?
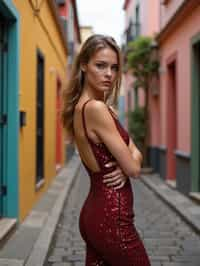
[105,16]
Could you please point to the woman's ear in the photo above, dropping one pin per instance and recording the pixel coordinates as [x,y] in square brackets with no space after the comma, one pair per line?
[83,67]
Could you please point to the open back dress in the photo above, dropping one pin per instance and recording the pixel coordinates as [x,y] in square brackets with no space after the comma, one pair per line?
[106,220]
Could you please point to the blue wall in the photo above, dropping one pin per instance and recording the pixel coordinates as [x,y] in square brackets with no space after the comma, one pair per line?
[121,109]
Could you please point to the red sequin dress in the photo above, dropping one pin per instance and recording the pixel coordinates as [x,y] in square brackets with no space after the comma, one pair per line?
[106,218]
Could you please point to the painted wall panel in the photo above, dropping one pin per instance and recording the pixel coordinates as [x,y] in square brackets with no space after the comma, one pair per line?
[181,40]
[10,201]
[38,32]
[168,11]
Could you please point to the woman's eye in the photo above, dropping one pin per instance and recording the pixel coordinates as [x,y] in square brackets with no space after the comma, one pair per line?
[115,68]
[100,66]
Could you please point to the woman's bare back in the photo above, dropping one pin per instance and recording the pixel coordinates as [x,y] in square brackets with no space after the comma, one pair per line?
[82,143]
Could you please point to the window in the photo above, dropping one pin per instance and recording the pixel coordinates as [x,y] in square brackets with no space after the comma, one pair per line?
[40,118]
[137,20]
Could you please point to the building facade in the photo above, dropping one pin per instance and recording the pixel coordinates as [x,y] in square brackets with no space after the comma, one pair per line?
[86,32]
[141,18]
[69,19]
[174,108]
[9,106]
[33,64]
[179,45]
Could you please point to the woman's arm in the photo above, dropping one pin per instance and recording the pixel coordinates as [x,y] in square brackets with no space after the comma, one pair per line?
[117,174]
[103,124]
[137,155]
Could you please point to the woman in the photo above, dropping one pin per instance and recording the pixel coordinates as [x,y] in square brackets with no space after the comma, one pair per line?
[108,154]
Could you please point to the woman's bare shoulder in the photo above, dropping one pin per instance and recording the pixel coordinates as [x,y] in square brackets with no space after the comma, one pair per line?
[94,107]
[114,110]
[98,113]
[97,105]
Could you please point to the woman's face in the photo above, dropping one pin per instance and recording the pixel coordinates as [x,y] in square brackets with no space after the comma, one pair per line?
[101,71]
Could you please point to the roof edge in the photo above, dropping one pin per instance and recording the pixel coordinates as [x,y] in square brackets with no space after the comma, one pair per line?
[184,10]
[56,16]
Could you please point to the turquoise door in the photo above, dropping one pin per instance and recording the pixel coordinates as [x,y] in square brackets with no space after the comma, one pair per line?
[9,109]
[3,113]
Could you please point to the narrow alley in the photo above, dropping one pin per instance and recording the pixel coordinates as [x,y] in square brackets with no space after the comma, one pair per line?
[168,239]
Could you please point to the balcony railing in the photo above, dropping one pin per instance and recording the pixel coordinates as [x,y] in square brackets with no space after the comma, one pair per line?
[133,31]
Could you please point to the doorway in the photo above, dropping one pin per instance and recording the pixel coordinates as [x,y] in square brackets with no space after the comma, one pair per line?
[9,109]
[40,119]
[3,111]
[58,127]
[171,122]
[195,115]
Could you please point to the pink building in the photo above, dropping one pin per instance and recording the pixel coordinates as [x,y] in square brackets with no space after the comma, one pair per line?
[141,18]
[69,17]
[178,151]
[174,148]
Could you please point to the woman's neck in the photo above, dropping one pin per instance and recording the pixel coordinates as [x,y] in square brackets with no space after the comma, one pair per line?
[91,94]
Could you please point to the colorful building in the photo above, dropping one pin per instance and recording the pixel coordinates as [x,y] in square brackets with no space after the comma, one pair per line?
[69,18]
[126,99]
[86,32]
[9,110]
[141,18]
[174,107]
[179,42]
[33,68]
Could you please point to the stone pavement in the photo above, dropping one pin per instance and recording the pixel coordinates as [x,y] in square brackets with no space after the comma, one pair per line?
[168,239]
[187,209]
[30,242]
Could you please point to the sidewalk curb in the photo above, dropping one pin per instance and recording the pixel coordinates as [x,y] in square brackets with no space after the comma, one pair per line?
[43,242]
[176,200]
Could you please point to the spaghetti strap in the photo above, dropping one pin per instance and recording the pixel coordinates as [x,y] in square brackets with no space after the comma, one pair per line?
[84,122]
[100,148]
[83,119]
[89,140]
[106,208]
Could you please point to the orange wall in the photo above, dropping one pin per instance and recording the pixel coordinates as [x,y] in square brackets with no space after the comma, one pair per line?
[45,36]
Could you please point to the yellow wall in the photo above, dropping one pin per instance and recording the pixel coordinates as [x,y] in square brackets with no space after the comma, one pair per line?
[37,32]
[86,32]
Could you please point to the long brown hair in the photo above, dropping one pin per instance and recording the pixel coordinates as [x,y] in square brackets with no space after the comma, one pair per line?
[73,90]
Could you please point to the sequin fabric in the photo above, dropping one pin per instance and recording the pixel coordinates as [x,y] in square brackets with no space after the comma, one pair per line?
[106,220]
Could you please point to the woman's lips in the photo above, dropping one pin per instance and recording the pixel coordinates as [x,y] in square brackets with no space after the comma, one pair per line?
[106,83]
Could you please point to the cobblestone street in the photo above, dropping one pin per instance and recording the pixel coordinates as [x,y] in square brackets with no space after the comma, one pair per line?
[169,240]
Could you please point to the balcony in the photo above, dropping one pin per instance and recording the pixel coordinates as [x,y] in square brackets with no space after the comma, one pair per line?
[133,31]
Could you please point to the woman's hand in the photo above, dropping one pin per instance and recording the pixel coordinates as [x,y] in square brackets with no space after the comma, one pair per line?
[116,178]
